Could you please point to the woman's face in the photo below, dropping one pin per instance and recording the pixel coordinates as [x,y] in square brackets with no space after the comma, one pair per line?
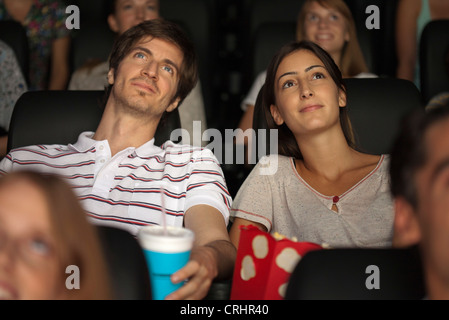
[326,27]
[307,98]
[29,269]
[129,13]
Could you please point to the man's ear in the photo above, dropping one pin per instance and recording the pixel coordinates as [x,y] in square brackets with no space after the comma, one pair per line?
[276,115]
[111,79]
[406,226]
[113,25]
[173,105]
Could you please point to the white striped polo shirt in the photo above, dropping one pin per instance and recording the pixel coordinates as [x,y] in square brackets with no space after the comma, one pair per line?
[126,190]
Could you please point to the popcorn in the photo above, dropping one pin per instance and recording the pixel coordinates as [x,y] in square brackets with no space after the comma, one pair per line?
[264,264]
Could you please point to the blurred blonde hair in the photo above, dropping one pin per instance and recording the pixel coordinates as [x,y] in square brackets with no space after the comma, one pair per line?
[352,61]
[77,241]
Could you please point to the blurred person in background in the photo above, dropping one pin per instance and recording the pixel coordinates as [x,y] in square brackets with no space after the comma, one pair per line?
[12,86]
[48,40]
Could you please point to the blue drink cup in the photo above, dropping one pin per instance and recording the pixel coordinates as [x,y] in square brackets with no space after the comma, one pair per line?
[166,253]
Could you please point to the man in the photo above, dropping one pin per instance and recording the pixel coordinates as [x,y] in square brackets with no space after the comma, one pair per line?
[420,185]
[120,175]
[124,14]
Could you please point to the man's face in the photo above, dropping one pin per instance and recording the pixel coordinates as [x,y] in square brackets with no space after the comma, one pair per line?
[147,78]
[432,183]
[129,13]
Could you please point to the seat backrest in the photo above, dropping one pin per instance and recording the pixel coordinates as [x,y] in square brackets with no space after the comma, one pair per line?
[259,12]
[358,274]
[376,107]
[127,265]
[434,45]
[198,18]
[92,43]
[267,40]
[14,34]
[58,117]
[263,14]
[378,45]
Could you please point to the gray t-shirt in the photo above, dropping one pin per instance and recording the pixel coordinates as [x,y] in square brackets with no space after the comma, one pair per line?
[284,203]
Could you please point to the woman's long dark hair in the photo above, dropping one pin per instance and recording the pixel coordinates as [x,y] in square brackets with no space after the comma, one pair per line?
[287,144]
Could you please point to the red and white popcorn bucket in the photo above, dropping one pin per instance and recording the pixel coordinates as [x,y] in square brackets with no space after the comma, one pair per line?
[264,264]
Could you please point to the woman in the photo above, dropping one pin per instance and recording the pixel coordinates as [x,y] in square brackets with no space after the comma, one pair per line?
[319,188]
[44,230]
[330,24]
[48,40]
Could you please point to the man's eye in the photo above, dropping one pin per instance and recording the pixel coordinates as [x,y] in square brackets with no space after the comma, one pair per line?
[140,55]
[168,69]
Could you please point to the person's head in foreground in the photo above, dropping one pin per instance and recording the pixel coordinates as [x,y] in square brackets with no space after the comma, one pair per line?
[420,185]
[44,230]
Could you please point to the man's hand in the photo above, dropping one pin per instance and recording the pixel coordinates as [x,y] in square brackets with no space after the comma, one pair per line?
[213,255]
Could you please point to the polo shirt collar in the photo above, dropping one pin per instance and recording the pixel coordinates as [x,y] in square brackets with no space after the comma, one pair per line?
[85,143]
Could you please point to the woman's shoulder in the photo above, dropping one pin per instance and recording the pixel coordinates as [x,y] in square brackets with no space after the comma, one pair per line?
[374,163]
[381,164]
[365,75]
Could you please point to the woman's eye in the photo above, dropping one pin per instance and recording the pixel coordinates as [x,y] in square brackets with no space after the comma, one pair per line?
[333,17]
[312,17]
[318,75]
[288,84]
[39,246]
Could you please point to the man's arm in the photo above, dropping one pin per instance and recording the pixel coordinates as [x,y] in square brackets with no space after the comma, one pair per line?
[213,255]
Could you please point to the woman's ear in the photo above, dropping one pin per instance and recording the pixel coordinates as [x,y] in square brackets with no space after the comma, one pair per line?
[342,98]
[276,115]
[111,76]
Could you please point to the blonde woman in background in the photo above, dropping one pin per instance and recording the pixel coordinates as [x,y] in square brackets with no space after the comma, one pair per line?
[328,23]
